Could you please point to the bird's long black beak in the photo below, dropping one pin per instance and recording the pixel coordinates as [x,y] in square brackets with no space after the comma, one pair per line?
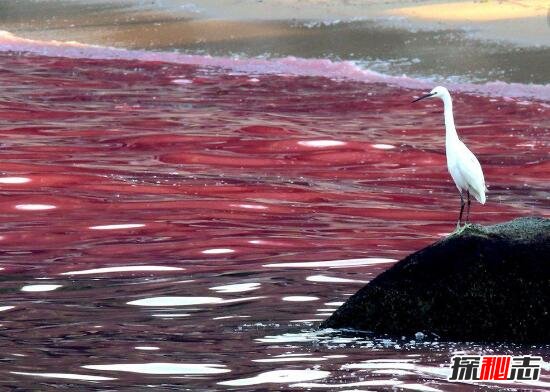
[422,97]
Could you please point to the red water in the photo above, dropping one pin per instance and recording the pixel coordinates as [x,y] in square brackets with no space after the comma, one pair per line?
[222,176]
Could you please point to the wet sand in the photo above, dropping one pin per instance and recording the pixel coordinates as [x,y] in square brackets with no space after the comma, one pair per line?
[467,41]
[522,22]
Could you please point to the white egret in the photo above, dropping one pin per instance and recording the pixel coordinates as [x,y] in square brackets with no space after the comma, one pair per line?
[461,162]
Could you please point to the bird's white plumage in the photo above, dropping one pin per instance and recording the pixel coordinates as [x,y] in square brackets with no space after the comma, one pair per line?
[461,162]
[466,170]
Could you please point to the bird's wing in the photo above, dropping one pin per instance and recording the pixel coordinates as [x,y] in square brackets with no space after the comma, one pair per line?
[470,169]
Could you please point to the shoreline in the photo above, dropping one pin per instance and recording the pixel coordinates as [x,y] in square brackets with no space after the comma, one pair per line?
[280,66]
[392,37]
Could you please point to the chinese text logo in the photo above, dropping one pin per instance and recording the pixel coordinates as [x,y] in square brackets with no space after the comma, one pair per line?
[495,368]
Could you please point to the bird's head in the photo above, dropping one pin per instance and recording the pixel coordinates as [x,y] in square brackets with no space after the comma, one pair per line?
[437,92]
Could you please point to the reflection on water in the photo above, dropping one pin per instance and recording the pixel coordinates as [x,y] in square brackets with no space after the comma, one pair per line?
[66,376]
[279,377]
[123,268]
[40,287]
[162,368]
[192,235]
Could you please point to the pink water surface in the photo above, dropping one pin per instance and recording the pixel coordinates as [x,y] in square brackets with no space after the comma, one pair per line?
[226,178]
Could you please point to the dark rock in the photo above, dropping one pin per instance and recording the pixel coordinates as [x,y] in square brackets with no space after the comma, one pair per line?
[483,284]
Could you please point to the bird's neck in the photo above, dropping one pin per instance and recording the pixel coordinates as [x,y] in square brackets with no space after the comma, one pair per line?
[450,130]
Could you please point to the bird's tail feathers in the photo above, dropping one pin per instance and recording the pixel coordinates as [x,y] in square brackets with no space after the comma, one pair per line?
[482,198]
[479,196]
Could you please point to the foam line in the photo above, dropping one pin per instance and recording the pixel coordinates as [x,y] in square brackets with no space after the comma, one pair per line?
[282,66]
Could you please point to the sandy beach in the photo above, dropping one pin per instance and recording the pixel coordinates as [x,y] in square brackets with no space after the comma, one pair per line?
[441,40]
[521,22]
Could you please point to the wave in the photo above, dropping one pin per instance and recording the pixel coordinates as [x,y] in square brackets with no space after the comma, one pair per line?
[283,66]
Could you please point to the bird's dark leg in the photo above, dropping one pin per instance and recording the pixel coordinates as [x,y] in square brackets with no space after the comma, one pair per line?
[468,208]
[461,211]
